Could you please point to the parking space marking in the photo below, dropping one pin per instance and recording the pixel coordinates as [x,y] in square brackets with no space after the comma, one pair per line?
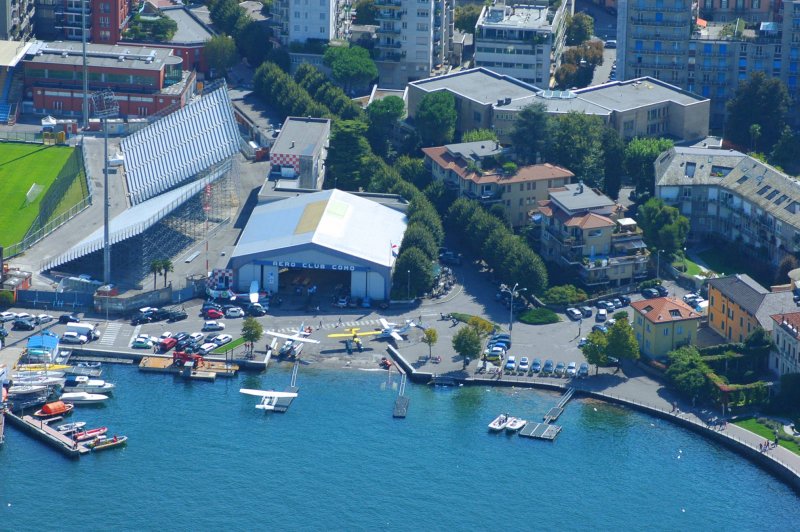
[110,334]
[134,335]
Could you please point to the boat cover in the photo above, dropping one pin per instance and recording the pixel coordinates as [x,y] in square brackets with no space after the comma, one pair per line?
[56,407]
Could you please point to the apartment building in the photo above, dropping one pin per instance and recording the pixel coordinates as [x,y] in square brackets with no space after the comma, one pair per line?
[729,196]
[414,38]
[523,41]
[642,107]
[710,53]
[785,357]
[473,170]
[297,21]
[300,151]
[663,324]
[16,19]
[62,20]
[583,229]
[738,305]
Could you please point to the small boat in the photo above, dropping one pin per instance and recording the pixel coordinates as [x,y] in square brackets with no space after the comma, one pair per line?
[499,423]
[26,389]
[26,374]
[43,367]
[514,424]
[82,383]
[69,428]
[33,380]
[90,434]
[102,442]
[94,365]
[86,371]
[56,408]
[84,398]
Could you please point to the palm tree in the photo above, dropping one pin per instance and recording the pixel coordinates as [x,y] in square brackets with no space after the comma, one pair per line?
[166,267]
[155,269]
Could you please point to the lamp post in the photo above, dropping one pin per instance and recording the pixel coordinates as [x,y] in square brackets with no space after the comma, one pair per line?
[658,263]
[513,293]
[408,286]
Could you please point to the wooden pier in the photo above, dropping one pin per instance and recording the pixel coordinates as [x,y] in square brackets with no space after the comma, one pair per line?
[40,430]
[160,364]
[2,426]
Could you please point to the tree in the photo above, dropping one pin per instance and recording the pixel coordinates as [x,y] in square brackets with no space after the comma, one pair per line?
[595,349]
[784,153]
[253,42]
[413,273]
[349,156]
[755,136]
[476,135]
[530,132]
[614,148]
[467,343]
[412,169]
[576,142]
[570,75]
[220,52]
[622,341]
[418,236]
[383,116]
[787,264]
[226,14]
[351,66]
[565,294]
[436,118]
[430,337]
[687,371]
[252,331]
[155,269]
[481,326]
[664,227]
[466,17]
[762,101]
[365,11]
[580,28]
[639,160]
[166,267]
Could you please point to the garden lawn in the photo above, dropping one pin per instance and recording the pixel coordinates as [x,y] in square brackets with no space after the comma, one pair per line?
[765,432]
[725,261]
[227,347]
[75,194]
[692,268]
[22,165]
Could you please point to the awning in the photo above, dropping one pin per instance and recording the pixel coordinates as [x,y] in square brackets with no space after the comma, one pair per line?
[632,245]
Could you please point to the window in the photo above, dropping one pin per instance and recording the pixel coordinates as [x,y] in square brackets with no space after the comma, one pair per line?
[639,320]
[648,327]
[322,16]
[679,329]
[666,332]
[476,116]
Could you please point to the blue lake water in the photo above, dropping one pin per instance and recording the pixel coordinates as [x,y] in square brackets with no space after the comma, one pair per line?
[200,455]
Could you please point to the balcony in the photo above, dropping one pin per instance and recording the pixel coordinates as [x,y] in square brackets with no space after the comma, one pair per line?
[384,30]
[390,15]
[660,23]
[389,45]
[390,4]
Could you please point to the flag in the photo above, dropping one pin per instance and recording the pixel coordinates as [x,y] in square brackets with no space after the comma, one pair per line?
[394,249]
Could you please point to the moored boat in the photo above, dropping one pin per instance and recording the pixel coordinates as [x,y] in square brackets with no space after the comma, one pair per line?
[56,408]
[43,367]
[26,389]
[84,398]
[33,380]
[499,423]
[102,442]
[86,371]
[90,434]
[514,424]
[81,383]
[69,428]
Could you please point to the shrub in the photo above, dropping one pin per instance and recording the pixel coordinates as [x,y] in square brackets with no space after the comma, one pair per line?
[6,298]
[479,322]
[650,283]
[539,316]
[621,315]
[565,294]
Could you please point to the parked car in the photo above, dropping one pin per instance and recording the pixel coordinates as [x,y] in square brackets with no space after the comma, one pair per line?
[342,302]
[650,293]
[165,335]
[166,344]
[234,312]
[44,318]
[210,304]
[7,316]
[495,353]
[572,369]
[207,348]
[499,342]
[524,364]
[662,290]
[140,318]
[586,311]
[602,328]
[180,335]
[222,339]
[601,315]
[177,315]
[625,300]
[501,336]
[601,304]
[610,322]
[536,366]
[583,371]
[611,43]
[214,314]
[24,324]
[69,318]
[617,303]
[547,369]
[574,314]
[560,369]
[256,309]
[73,338]
[196,336]
[583,341]
[213,326]
[159,314]
[511,363]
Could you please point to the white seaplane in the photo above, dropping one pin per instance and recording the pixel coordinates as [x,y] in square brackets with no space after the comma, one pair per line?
[391,330]
[268,397]
[294,342]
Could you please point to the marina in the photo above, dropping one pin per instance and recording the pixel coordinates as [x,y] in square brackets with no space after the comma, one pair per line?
[45,433]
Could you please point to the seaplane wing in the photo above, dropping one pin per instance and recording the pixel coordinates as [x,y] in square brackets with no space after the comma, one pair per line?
[387,325]
[396,336]
[294,337]
[352,334]
[267,393]
[253,292]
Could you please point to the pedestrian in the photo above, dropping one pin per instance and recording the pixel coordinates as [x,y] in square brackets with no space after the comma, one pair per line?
[320,324]
[340,321]
[419,320]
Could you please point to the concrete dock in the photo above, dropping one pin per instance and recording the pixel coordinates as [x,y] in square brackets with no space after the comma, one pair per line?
[163,364]
[47,434]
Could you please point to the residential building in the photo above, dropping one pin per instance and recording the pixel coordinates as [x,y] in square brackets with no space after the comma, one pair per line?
[145,80]
[737,305]
[16,20]
[301,20]
[642,107]
[523,41]
[413,39]
[732,197]
[712,53]
[473,169]
[785,356]
[300,151]
[62,19]
[663,324]
[583,229]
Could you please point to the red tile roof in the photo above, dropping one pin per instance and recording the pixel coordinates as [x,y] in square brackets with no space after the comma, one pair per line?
[589,221]
[665,309]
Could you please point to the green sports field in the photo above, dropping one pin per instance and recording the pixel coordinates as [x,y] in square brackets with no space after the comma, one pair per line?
[22,165]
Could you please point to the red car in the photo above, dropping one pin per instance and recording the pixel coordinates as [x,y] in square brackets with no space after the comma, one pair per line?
[167,344]
[214,314]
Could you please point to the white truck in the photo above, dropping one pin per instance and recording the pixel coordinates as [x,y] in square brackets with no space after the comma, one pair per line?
[90,331]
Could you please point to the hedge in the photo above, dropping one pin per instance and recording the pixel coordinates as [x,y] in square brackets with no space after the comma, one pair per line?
[539,316]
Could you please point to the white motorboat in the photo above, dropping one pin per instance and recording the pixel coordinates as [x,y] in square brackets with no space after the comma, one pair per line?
[70,428]
[33,380]
[514,424]
[25,374]
[82,383]
[499,423]
[26,389]
[87,371]
[83,398]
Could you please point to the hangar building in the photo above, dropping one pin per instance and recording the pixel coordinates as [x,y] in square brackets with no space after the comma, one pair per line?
[328,238]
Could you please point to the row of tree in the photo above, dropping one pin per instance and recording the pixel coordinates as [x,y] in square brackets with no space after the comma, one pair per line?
[321,90]
[251,37]
[485,236]
[664,227]
[280,91]
[619,342]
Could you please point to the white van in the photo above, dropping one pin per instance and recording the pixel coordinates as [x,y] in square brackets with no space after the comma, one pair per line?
[601,315]
[89,330]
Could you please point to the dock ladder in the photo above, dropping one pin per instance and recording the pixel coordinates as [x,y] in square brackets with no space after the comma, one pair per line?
[294,374]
